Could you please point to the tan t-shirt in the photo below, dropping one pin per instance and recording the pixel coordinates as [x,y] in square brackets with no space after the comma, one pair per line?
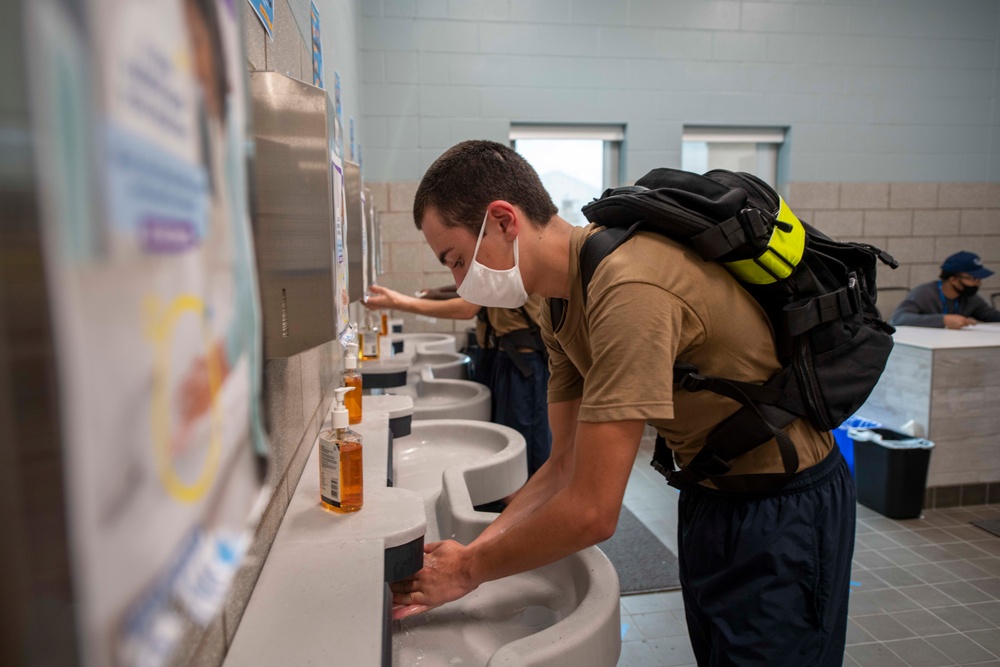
[505,320]
[651,302]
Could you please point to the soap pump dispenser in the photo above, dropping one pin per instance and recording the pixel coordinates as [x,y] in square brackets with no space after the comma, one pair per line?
[352,378]
[341,478]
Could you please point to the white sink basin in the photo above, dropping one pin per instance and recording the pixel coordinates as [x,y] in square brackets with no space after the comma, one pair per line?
[490,460]
[563,615]
[425,342]
[447,399]
[443,365]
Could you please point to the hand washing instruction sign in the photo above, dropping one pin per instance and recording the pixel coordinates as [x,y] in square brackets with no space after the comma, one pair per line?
[156,311]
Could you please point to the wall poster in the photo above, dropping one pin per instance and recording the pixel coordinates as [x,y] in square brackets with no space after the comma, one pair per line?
[317,46]
[340,249]
[264,9]
[155,305]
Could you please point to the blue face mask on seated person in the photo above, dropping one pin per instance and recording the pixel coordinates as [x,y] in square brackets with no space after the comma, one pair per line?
[493,288]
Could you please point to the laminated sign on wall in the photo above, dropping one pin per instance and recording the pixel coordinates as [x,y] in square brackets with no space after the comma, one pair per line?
[156,311]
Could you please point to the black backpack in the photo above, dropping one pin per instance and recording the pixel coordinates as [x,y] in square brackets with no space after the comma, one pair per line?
[819,295]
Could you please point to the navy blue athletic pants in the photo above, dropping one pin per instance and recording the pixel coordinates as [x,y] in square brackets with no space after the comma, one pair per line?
[521,402]
[766,577]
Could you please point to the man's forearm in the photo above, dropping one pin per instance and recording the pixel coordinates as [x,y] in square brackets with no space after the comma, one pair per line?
[544,484]
[580,514]
[452,309]
[552,476]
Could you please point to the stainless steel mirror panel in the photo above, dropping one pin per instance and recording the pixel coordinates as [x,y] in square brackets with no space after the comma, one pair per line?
[355,255]
[371,221]
[293,222]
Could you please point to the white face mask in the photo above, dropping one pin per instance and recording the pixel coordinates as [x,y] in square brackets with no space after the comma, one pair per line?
[488,287]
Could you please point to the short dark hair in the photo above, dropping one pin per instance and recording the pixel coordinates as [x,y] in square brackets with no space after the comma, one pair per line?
[946,274]
[468,176]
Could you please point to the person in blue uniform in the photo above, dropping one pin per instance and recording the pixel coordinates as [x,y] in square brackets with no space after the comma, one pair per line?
[950,302]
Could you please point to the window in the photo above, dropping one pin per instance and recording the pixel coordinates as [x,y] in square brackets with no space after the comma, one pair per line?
[575,162]
[750,149]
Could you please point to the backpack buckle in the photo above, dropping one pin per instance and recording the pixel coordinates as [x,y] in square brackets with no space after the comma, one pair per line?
[693,382]
[714,466]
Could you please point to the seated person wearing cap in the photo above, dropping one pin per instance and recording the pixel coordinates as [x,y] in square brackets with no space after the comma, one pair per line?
[949,302]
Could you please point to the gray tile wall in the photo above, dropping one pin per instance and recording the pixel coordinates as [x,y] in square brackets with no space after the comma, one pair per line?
[871,91]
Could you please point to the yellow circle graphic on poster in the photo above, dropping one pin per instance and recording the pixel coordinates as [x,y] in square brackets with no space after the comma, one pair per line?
[161,329]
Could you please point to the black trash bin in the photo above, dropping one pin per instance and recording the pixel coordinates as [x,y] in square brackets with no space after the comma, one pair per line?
[890,471]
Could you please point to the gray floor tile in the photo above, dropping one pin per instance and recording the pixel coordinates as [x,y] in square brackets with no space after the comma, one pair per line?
[931,573]
[991,565]
[871,559]
[653,602]
[630,631]
[964,569]
[867,580]
[902,556]
[660,624]
[942,519]
[923,623]
[964,592]
[961,649]
[962,619]
[876,541]
[935,535]
[988,610]
[928,596]
[990,586]
[884,627]
[856,633]
[874,655]
[897,576]
[988,639]
[990,546]
[932,553]
[918,653]
[882,524]
[637,654]
[967,533]
[964,550]
[672,651]
[911,538]
[889,600]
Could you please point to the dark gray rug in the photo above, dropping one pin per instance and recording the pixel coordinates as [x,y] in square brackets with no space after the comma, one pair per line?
[992,525]
[644,564]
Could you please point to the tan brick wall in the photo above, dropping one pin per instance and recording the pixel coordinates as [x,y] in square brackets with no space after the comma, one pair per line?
[918,223]
[408,261]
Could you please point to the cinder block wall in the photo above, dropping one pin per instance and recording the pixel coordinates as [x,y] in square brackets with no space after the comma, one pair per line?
[409,263]
[917,223]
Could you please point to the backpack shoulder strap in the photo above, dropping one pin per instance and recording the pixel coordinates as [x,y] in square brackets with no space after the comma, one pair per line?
[599,245]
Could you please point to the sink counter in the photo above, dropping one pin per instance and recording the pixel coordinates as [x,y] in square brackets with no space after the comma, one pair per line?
[931,338]
[320,596]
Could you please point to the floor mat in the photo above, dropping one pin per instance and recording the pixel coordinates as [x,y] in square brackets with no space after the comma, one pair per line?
[643,563]
[992,525]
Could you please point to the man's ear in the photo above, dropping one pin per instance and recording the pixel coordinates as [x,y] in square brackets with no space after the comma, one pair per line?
[507,216]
